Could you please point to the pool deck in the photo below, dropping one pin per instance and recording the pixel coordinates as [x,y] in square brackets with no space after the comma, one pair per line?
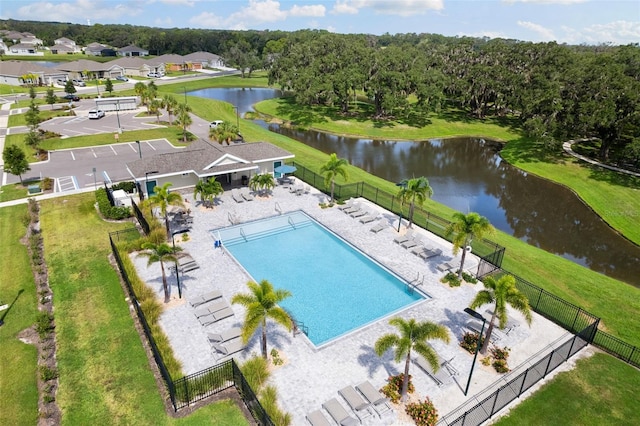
[311,376]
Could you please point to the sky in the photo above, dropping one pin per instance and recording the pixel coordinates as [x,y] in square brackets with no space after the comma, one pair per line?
[563,21]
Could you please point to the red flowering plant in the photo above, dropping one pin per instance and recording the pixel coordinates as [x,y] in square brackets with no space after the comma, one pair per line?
[393,388]
[423,413]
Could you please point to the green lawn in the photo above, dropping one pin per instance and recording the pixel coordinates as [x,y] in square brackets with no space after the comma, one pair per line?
[19,401]
[19,119]
[105,376]
[601,390]
[15,191]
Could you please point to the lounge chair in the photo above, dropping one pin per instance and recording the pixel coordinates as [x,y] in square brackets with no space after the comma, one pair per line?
[369,217]
[316,418]
[441,377]
[353,208]
[230,347]
[204,298]
[448,266]
[358,404]
[189,267]
[404,238]
[428,253]
[379,226]
[350,202]
[216,306]
[339,413]
[244,192]
[358,213]
[412,242]
[476,326]
[236,196]
[216,316]
[226,335]
[378,401]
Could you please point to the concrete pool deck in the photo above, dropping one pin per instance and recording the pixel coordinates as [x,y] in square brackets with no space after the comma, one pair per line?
[311,376]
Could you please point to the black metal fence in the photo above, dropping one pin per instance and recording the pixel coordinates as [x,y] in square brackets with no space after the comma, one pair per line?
[492,404]
[109,195]
[490,253]
[141,219]
[617,348]
[195,387]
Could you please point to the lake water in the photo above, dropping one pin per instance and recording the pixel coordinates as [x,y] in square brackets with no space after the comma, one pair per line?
[468,174]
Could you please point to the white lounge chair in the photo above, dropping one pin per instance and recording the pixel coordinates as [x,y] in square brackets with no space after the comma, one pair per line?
[204,298]
[378,401]
[428,253]
[230,347]
[316,418]
[358,213]
[369,217]
[404,238]
[356,401]
[244,192]
[209,309]
[226,335]
[412,242]
[339,413]
[379,226]
[236,196]
[353,208]
[448,266]
[441,377]
[216,316]
[348,204]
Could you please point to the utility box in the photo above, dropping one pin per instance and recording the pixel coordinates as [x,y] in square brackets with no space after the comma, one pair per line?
[34,189]
[121,198]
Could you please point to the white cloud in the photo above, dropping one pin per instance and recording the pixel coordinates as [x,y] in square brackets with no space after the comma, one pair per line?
[163,22]
[545,33]
[206,20]
[617,32]
[78,11]
[317,10]
[546,1]
[189,3]
[260,11]
[388,7]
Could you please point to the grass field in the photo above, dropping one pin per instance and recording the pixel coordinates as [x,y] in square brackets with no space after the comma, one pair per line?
[105,376]
[19,401]
[600,391]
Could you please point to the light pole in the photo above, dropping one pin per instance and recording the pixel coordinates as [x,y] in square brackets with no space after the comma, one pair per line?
[146,187]
[118,117]
[480,317]
[139,150]
[173,241]
[402,184]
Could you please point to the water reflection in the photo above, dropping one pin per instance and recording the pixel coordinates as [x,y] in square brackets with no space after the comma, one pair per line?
[469,175]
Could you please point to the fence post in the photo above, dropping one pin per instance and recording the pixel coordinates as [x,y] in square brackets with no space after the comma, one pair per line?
[546,369]
[539,297]
[186,391]
[573,326]
[571,347]
[631,355]
[523,380]
[493,406]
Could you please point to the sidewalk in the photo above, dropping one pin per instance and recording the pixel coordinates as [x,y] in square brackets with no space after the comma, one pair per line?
[567,147]
[4,124]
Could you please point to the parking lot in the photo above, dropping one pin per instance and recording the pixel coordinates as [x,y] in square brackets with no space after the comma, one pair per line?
[79,168]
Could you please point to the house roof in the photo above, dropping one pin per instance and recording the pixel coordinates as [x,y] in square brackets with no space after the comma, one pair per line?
[96,47]
[201,56]
[64,40]
[132,48]
[62,48]
[130,62]
[20,68]
[167,59]
[84,65]
[18,46]
[207,159]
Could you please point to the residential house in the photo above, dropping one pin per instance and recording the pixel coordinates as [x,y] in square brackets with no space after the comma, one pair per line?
[64,45]
[205,60]
[24,49]
[17,73]
[87,69]
[132,50]
[232,165]
[99,49]
[3,48]
[170,62]
[136,66]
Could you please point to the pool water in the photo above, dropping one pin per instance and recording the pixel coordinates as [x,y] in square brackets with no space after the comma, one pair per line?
[335,288]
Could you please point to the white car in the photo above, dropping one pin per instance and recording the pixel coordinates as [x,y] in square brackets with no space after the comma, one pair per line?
[155,75]
[79,83]
[96,114]
[215,123]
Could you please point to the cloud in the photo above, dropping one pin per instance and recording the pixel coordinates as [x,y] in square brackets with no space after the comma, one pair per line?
[317,10]
[617,32]
[545,33]
[163,22]
[546,1]
[189,3]
[77,11]
[388,7]
[206,20]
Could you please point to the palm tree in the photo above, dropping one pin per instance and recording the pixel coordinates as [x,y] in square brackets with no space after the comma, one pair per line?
[169,103]
[184,119]
[464,229]
[412,190]
[162,252]
[223,132]
[501,292]
[141,90]
[208,190]
[262,182]
[413,336]
[262,303]
[334,167]
[162,197]
[154,108]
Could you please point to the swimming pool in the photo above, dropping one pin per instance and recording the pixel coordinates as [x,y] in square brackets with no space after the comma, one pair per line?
[335,288]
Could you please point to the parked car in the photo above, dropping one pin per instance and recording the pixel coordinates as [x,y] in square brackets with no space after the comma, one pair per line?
[155,75]
[215,123]
[96,114]
[73,98]
[61,82]
[122,78]
[79,83]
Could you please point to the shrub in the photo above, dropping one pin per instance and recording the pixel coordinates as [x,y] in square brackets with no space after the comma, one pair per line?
[109,211]
[269,401]
[127,186]
[256,372]
[46,184]
[44,323]
[469,278]
[275,357]
[500,365]
[499,353]
[47,373]
[452,279]
[423,413]
[393,388]
[469,342]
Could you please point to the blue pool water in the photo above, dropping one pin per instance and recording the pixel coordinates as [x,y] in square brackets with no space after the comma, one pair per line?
[335,288]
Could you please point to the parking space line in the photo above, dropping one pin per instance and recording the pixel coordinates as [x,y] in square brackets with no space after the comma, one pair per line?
[106,177]
[73,155]
[132,148]
[114,151]
[94,153]
[151,146]
[75,183]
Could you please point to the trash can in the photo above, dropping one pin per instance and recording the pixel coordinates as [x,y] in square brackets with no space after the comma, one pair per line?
[245,180]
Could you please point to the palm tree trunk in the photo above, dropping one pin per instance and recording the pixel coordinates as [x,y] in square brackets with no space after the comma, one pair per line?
[411,207]
[166,223]
[164,283]
[333,184]
[485,344]
[264,339]
[405,381]
[464,255]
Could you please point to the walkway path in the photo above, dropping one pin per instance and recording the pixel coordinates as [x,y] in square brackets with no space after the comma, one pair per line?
[567,147]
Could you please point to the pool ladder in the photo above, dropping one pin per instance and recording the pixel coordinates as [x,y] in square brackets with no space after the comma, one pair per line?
[411,285]
[243,234]
[298,326]
[278,208]
[293,225]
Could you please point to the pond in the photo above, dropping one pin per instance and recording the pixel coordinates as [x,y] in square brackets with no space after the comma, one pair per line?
[468,174]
